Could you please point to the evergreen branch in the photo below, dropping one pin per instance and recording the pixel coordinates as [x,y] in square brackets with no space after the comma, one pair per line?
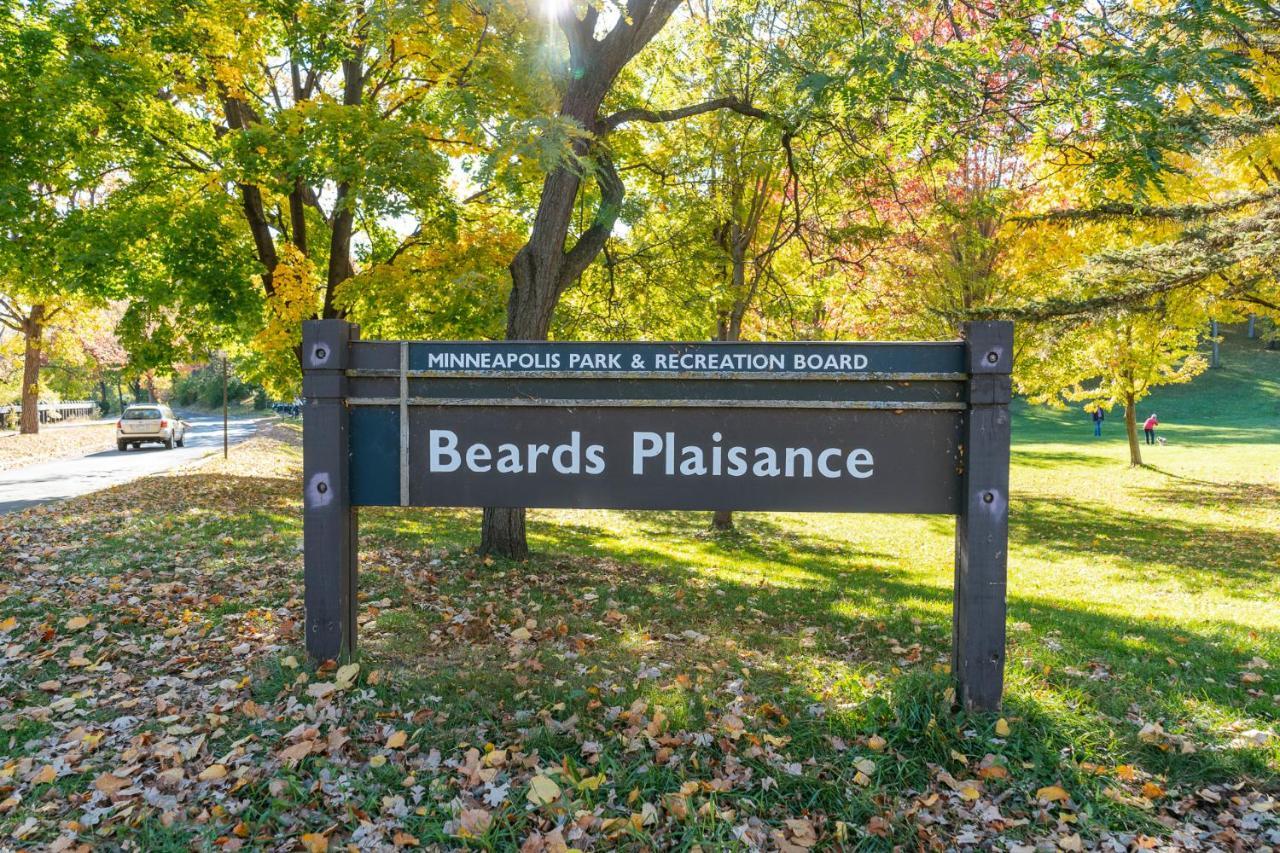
[1178,212]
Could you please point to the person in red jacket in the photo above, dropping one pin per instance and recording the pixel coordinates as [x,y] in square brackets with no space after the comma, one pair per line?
[1149,427]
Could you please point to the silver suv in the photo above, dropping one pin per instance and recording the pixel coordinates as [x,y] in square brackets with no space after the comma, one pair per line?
[150,423]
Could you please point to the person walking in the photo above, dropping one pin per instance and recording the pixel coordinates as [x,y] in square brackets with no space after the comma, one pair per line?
[1098,417]
[1149,427]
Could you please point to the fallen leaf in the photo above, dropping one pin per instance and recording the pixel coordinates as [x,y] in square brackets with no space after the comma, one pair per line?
[109,783]
[876,743]
[397,740]
[1002,727]
[293,754]
[542,790]
[474,822]
[212,772]
[346,676]
[315,842]
[1053,794]
[75,623]
[1152,791]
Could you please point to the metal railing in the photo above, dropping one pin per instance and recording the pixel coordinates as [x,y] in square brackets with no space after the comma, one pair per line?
[49,412]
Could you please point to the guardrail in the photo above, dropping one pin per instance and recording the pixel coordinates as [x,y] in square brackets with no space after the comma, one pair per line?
[49,412]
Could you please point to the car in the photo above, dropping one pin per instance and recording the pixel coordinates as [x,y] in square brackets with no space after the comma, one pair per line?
[153,422]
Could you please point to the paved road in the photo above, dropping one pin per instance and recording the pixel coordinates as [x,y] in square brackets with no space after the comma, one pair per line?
[67,478]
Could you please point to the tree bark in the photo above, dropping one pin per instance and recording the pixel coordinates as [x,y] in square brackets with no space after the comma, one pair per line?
[503,533]
[33,336]
[1131,427]
[546,266]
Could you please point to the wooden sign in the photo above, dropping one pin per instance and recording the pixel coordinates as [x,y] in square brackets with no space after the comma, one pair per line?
[814,427]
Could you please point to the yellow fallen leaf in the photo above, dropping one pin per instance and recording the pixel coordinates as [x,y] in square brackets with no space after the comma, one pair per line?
[346,675]
[521,634]
[1053,793]
[212,772]
[1126,773]
[969,791]
[397,740]
[1071,843]
[591,783]
[866,765]
[404,839]
[377,761]
[1152,791]
[8,625]
[1002,727]
[542,790]
[75,623]
[862,779]
[315,842]
[876,743]
[46,775]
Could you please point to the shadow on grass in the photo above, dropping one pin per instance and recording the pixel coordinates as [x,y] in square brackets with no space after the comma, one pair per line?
[1194,492]
[1057,458]
[1095,671]
[1205,555]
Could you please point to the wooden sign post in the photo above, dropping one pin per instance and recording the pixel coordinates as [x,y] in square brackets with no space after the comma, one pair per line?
[920,427]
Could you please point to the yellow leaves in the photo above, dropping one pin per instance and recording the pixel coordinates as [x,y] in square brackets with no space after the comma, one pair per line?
[314,842]
[212,773]
[8,625]
[346,676]
[377,761]
[1126,772]
[76,623]
[1053,794]
[1152,791]
[590,783]
[1002,727]
[542,790]
[44,775]
[397,740]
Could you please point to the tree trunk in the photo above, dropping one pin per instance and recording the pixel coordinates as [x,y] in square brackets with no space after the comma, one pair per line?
[729,328]
[1131,427]
[529,310]
[33,334]
[503,533]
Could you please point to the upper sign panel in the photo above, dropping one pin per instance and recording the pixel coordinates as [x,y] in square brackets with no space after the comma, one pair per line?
[708,360]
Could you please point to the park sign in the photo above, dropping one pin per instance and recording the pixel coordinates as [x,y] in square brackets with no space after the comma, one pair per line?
[910,427]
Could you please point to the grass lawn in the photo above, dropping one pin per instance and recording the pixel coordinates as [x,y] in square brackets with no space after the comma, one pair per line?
[642,683]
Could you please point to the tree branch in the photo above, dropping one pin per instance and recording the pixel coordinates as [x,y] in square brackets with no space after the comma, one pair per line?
[659,116]
[591,241]
[1181,212]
